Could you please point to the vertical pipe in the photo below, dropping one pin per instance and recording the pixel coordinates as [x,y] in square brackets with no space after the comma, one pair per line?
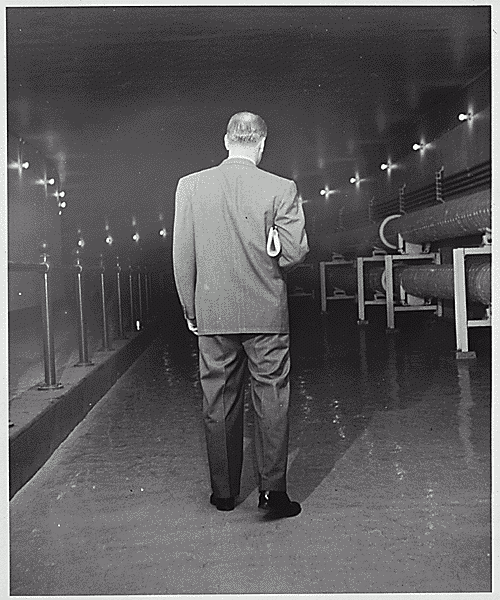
[49,359]
[121,334]
[131,292]
[139,294]
[105,327]
[82,326]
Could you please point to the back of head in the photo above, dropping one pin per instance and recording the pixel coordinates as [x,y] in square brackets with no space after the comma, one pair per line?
[246,129]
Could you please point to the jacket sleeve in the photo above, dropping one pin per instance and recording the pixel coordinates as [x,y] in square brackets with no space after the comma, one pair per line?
[290,222]
[183,250]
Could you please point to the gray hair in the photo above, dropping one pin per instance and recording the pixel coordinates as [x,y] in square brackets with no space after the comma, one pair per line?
[246,128]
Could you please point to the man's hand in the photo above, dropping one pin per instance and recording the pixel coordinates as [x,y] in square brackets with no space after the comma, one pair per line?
[192,326]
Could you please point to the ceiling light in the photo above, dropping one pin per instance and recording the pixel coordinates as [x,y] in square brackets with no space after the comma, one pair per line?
[62,193]
[25,164]
[465,116]
[384,166]
[354,179]
[136,237]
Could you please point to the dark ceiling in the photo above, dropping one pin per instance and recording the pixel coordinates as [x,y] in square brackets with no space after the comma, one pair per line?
[335,84]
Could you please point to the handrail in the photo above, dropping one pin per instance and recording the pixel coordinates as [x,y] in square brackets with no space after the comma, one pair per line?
[140,285]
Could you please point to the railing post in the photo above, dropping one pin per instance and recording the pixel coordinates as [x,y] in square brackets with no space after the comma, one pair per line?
[139,295]
[49,359]
[131,292]
[82,326]
[105,328]
[121,334]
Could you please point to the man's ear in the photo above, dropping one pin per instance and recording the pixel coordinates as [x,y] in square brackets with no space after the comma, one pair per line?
[226,142]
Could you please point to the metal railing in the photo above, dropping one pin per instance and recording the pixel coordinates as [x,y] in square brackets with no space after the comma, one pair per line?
[142,297]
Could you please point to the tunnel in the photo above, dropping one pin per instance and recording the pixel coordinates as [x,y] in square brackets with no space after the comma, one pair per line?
[379,118]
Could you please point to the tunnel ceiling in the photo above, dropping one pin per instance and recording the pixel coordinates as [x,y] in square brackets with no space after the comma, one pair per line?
[335,84]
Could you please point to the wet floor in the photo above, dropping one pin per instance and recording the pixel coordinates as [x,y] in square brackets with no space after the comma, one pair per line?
[389,456]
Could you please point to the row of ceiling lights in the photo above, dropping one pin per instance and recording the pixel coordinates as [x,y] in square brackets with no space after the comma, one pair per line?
[20,165]
[136,236]
[388,166]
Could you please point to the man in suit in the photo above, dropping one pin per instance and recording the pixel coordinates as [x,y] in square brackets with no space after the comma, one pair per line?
[233,293]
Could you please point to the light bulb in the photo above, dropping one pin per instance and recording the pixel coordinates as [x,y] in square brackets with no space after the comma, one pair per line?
[109,240]
[383,166]
[323,192]
[136,237]
[353,180]
[51,181]
[25,164]
[62,193]
[463,117]
[62,205]
[418,146]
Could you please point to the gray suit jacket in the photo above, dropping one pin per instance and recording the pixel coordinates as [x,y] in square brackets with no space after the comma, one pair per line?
[224,276]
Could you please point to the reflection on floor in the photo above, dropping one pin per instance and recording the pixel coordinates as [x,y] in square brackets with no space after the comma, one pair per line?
[389,456]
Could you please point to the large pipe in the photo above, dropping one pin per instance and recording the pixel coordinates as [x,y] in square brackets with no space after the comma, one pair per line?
[345,277]
[436,281]
[468,215]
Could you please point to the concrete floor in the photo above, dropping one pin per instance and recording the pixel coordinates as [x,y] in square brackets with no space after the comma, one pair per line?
[389,456]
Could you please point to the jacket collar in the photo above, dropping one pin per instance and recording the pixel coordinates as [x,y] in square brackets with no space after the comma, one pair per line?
[239,160]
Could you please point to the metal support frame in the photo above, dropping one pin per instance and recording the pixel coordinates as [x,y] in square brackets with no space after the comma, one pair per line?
[406,302]
[362,302]
[462,323]
[338,293]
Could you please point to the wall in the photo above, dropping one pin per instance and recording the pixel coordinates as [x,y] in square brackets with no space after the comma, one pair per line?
[33,218]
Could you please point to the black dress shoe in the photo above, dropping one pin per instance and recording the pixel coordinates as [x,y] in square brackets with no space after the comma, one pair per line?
[278,505]
[222,503]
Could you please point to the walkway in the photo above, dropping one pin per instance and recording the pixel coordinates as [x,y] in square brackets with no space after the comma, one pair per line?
[389,456]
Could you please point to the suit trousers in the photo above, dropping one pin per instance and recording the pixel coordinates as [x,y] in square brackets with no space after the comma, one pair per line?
[225,361]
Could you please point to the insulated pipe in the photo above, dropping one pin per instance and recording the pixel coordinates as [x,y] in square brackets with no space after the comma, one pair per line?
[436,281]
[342,277]
[468,215]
